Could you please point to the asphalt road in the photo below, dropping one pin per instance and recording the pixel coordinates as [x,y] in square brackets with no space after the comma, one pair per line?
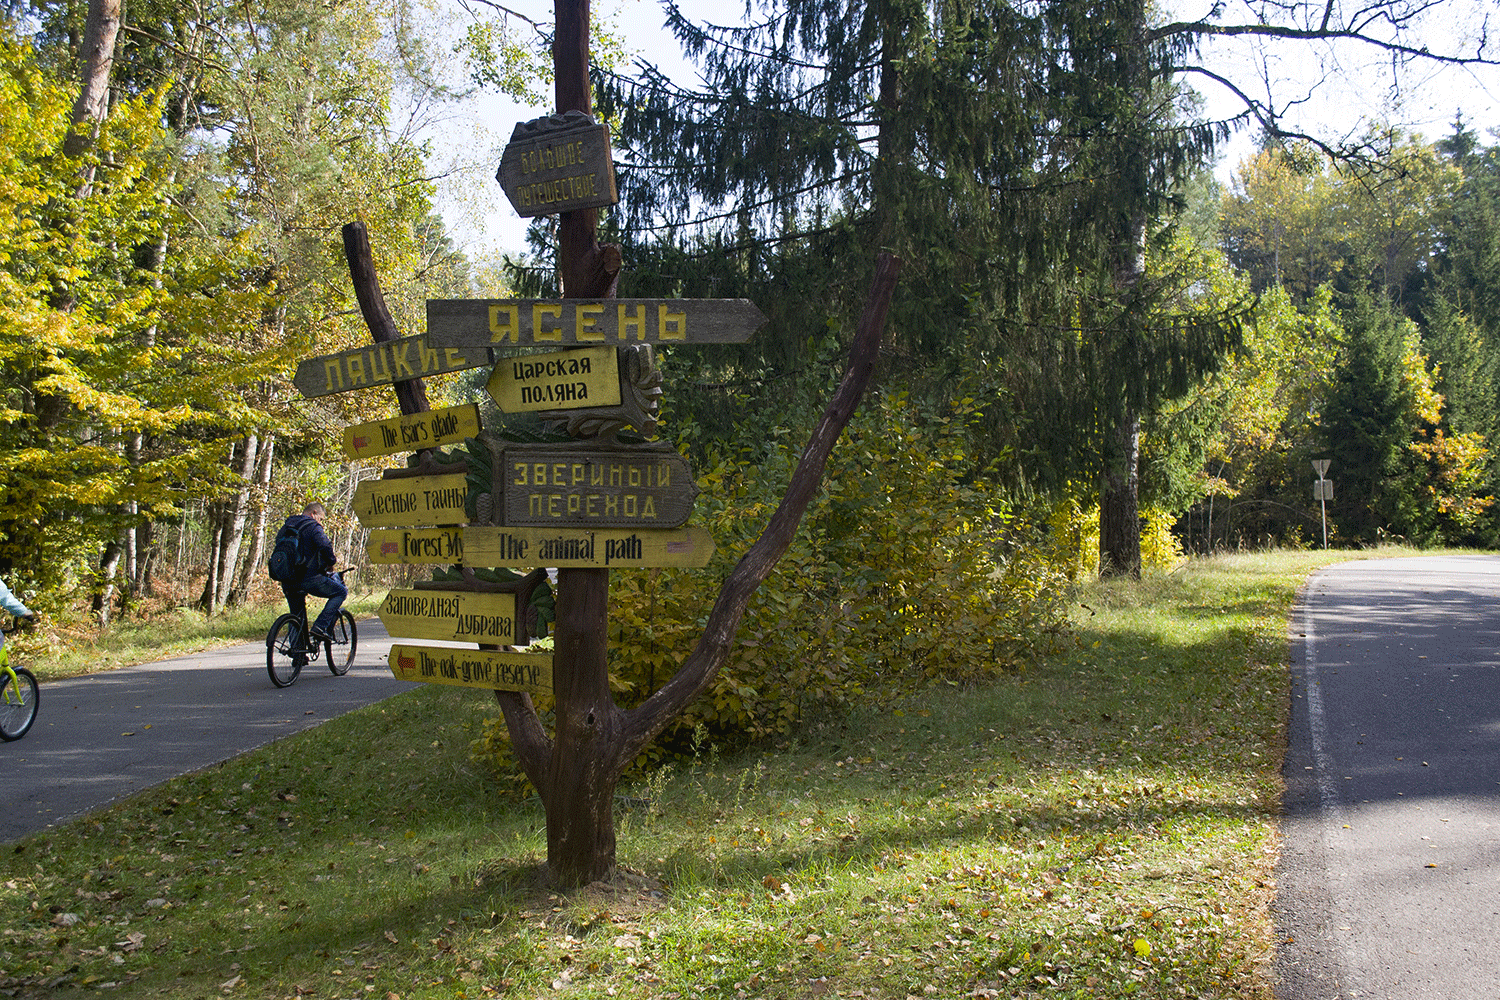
[1389,880]
[108,735]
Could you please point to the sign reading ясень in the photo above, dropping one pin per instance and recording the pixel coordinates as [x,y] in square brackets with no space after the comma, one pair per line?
[480,323]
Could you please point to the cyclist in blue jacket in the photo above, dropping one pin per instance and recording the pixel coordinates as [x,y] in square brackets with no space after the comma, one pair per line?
[317,558]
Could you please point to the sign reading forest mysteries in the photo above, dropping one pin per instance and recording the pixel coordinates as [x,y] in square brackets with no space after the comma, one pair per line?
[412,501]
[594,486]
[416,546]
[560,163]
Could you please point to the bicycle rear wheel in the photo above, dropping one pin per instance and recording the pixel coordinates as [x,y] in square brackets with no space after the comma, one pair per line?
[18,701]
[285,655]
[341,649]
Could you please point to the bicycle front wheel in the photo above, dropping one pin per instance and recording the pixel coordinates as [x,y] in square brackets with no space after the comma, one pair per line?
[341,649]
[285,655]
[18,701]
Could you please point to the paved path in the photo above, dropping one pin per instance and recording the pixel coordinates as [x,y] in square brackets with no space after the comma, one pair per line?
[1389,883]
[100,737]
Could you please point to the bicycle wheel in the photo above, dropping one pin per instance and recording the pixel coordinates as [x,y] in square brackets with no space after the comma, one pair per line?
[341,650]
[18,701]
[285,656]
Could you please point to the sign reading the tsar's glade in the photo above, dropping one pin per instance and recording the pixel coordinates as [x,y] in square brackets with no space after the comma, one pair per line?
[591,485]
[381,364]
[479,668]
[412,501]
[580,548]
[476,323]
[431,429]
[588,376]
[561,163]
[453,615]
[416,546]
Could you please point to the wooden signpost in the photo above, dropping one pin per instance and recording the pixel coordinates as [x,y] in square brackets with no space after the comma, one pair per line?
[560,163]
[574,548]
[588,376]
[592,485]
[452,615]
[479,668]
[433,429]
[478,323]
[412,501]
[381,364]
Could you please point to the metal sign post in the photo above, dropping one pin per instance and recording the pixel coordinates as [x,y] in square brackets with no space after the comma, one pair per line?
[1323,492]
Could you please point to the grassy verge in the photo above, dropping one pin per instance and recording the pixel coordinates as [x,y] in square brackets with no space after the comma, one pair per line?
[1099,826]
[60,650]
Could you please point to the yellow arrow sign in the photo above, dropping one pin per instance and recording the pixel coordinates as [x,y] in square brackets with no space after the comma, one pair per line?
[416,546]
[433,429]
[478,668]
[581,548]
[453,615]
[412,501]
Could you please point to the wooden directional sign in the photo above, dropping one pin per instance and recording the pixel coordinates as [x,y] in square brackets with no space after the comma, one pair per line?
[479,668]
[416,546]
[560,163]
[453,615]
[381,364]
[580,548]
[412,501]
[432,429]
[591,485]
[475,323]
[563,380]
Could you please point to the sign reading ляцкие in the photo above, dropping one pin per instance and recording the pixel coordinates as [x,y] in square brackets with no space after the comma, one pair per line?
[381,364]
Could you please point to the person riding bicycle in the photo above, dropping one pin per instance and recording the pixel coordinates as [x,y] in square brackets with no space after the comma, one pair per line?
[11,603]
[316,556]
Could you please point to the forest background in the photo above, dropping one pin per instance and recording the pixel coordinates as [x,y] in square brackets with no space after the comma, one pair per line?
[1099,359]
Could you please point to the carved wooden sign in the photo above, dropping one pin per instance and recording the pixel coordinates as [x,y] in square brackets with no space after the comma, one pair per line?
[416,546]
[450,615]
[412,501]
[592,485]
[562,380]
[581,548]
[561,163]
[477,323]
[381,364]
[432,429]
[478,668]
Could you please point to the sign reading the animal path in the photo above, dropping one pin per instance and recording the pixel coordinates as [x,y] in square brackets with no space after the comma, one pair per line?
[381,364]
[416,546]
[563,380]
[412,501]
[579,548]
[594,486]
[452,615]
[432,429]
[479,668]
[478,323]
[560,163]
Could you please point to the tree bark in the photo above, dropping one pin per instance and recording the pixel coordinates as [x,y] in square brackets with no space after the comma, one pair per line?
[1119,507]
[104,593]
[260,502]
[412,393]
[96,63]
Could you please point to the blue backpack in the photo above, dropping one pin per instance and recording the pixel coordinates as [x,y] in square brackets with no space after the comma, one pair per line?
[286,562]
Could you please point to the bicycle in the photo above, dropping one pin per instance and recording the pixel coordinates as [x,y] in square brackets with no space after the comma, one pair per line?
[287,652]
[19,696]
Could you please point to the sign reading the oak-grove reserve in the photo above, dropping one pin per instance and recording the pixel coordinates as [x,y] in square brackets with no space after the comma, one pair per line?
[475,323]
[412,501]
[593,486]
[480,668]
[432,429]
[563,380]
[580,548]
[558,164]
[381,364]
[416,546]
[453,615]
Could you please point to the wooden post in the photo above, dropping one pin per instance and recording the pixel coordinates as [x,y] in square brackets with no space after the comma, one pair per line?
[412,393]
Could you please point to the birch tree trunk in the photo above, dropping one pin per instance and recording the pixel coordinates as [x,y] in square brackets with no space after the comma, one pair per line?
[260,503]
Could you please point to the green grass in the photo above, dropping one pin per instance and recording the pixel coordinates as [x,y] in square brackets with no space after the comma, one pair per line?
[1101,825]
